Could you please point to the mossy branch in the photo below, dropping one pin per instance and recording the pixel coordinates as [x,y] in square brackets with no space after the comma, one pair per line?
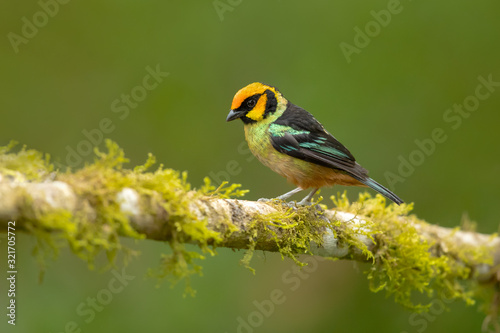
[92,207]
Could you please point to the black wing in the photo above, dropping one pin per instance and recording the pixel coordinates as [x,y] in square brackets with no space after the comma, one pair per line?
[297,133]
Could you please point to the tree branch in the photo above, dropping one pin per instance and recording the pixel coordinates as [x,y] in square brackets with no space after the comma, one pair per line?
[53,196]
[92,207]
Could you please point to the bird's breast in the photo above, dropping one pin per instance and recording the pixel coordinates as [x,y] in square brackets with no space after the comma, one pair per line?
[259,142]
[297,171]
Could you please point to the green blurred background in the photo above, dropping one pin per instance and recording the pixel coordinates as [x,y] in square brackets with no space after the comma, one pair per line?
[64,78]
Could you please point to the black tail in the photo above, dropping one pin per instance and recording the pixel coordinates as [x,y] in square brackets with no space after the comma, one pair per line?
[382,190]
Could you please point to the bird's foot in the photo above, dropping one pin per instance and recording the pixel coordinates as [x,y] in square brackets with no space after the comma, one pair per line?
[291,204]
[309,203]
[304,202]
[294,204]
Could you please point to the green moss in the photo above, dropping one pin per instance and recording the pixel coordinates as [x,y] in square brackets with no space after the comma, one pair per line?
[181,264]
[26,164]
[100,222]
[295,230]
[285,227]
[165,187]
[406,265]
[224,191]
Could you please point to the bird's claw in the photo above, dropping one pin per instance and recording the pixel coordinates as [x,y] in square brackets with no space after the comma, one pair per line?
[309,203]
[304,203]
[292,204]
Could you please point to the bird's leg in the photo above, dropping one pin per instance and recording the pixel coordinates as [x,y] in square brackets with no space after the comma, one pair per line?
[307,199]
[289,194]
[284,196]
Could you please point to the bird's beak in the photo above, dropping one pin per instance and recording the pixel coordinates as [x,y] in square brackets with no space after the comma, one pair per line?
[234,115]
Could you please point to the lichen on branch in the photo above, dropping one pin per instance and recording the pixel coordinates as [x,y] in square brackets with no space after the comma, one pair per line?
[91,208]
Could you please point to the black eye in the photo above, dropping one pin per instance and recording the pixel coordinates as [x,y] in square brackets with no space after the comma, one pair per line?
[251,103]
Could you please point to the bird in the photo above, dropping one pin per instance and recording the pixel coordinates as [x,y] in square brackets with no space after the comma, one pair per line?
[291,142]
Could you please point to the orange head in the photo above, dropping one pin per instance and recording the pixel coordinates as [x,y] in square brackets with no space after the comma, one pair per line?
[254,103]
